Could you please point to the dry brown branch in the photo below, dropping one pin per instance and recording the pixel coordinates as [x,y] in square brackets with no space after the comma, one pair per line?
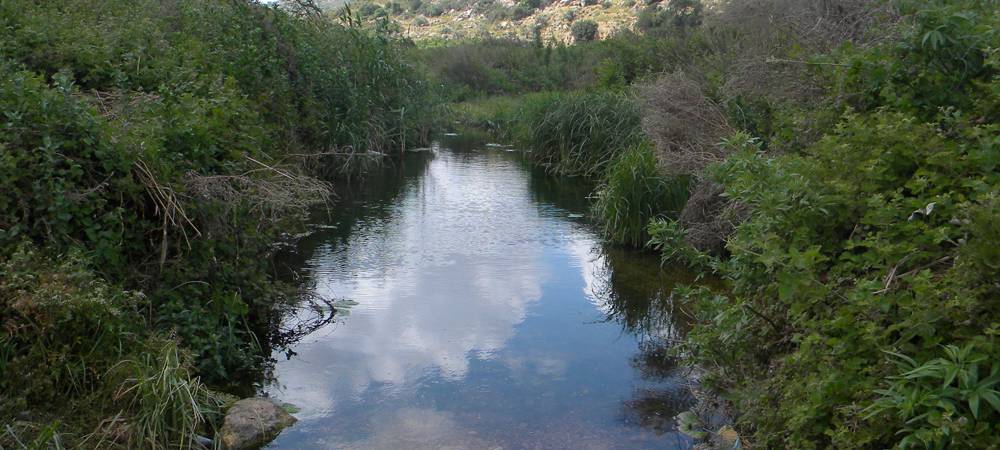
[270,198]
[685,125]
[709,219]
[773,30]
[167,206]
[335,162]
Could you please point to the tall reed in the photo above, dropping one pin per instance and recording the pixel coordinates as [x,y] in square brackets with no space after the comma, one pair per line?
[635,192]
[578,133]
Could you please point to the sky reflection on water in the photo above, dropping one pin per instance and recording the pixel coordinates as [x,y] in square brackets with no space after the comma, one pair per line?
[487,315]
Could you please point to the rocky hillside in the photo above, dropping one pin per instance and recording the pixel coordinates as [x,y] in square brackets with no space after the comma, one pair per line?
[428,20]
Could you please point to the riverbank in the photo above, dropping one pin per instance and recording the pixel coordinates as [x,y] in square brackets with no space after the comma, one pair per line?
[841,183]
[151,154]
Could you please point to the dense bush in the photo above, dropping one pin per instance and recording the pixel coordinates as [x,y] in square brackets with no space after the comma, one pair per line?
[863,303]
[70,339]
[679,16]
[500,66]
[852,180]
[584,30]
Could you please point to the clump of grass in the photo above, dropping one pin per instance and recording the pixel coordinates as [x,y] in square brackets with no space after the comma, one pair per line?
[164,404]
[578,133]
[45,438]
[635,192]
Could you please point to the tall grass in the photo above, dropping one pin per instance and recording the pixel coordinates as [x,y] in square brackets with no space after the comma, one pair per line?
[578,133]
[635,192]
[164,402]
[45,438]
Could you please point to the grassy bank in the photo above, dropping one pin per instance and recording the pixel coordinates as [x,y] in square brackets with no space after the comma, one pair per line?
[841,176]
[151,154]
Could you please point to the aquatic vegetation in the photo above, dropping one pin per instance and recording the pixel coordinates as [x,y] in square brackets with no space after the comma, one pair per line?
[635,192]
[578,133]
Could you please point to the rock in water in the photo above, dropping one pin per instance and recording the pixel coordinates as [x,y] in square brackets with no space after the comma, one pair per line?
[251,423]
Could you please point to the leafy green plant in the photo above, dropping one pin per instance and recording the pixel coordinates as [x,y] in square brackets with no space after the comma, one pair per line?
[157,150]
[667,237]
[946,402]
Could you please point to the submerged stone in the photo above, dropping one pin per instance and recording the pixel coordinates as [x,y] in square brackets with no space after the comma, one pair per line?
[251,423]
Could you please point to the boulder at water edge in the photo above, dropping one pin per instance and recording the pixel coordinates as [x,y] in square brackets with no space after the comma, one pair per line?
[251,423]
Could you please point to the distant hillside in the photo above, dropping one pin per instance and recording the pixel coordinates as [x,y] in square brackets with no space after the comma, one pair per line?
[425,20]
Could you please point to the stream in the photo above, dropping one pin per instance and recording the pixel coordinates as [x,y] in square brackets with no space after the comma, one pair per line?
[477,309]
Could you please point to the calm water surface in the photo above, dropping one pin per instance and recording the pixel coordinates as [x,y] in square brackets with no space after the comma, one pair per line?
[478,310]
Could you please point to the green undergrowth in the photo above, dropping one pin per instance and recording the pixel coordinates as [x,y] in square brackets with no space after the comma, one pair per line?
[578,133]
[76,349]
[863,301]
[509,67]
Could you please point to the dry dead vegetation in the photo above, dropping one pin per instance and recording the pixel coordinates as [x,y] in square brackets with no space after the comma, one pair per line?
[758,53]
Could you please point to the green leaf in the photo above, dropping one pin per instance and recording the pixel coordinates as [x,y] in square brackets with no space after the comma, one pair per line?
[993,398]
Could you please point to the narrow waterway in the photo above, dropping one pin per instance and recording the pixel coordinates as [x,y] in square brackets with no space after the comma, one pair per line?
[477,309]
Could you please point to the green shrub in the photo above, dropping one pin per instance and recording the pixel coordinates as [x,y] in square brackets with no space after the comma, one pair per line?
[936,397]
[635,192]
[80,347]
[584,30]
[513,67]
[48,306]
[862,308]
[432,10]
[667,237]
[680,16]
[368,9]
[850,250]
[62,178]
[521,11]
